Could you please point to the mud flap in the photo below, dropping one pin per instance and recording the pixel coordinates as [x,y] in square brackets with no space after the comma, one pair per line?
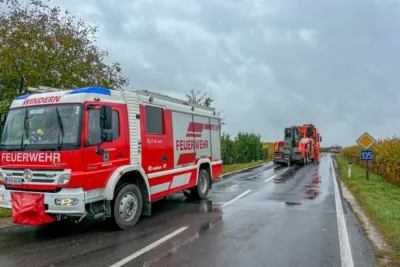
[28,208]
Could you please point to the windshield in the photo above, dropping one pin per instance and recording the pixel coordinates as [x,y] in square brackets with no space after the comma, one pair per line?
[54,127]
[288,132]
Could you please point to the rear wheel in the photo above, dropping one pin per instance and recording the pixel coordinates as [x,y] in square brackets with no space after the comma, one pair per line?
[127,206]
[203,185]
[304,163]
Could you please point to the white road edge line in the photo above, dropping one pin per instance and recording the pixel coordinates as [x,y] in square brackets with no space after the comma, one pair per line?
[269,179]
[344,243]
[286,169]
[236,198]
[149,247]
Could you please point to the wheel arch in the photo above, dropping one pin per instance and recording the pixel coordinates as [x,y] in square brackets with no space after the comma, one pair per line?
[128,174]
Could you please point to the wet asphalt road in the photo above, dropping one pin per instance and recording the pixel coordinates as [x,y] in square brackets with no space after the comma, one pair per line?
[284,217]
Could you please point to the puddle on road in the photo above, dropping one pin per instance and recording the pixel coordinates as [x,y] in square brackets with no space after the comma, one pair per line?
[169,249]
[251,178]
[311,188]
[228,189]
[291,194]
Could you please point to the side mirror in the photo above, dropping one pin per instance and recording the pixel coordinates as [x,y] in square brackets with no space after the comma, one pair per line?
[105,118]
[320,138]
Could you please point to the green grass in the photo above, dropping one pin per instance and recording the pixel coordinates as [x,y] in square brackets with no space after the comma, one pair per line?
[379,199]
[235,167]
[5,213]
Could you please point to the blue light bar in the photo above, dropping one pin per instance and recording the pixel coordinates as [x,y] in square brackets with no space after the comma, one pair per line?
[91,90]
[22,97]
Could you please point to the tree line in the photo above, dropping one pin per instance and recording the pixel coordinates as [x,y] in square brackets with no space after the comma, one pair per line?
[243,148]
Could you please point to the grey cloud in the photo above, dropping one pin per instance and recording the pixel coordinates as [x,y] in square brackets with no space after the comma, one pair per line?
[268,64]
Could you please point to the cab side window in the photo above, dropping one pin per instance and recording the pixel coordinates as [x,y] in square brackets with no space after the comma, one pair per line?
[94,131]
[154,120]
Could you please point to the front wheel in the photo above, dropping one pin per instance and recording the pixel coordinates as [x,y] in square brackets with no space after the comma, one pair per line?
[127,206]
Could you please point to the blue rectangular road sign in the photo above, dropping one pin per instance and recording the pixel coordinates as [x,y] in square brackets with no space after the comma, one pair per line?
[366,155]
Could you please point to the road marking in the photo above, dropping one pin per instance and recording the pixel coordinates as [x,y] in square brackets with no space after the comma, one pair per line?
[236,198]
[286,169]
[269,179]
[149,247]
[345,250]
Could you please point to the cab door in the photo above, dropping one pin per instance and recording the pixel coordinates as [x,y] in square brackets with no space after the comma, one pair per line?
[157,141]
[98,168]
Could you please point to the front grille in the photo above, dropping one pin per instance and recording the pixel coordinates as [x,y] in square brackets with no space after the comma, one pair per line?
[39,176]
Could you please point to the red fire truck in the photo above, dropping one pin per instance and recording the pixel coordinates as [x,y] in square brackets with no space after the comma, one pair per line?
[99,153]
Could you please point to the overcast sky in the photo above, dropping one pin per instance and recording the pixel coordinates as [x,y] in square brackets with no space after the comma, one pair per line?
[267,63]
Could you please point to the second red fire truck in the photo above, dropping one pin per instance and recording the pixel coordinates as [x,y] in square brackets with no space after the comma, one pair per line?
[94,152]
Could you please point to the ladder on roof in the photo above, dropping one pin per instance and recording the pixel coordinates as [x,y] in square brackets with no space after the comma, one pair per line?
[172,99]
[43,89]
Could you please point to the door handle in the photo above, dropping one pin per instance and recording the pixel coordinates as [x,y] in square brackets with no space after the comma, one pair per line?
[120,155]
[164,158]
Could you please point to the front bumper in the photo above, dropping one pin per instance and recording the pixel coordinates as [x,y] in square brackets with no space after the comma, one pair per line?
[50,200]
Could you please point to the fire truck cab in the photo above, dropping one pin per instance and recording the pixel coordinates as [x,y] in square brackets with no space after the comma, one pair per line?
[98,153]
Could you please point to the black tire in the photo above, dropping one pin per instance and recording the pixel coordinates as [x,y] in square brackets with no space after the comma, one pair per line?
[200,191]
[303,163]
[123,199]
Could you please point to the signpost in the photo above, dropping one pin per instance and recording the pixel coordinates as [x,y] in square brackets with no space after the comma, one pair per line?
[366,141]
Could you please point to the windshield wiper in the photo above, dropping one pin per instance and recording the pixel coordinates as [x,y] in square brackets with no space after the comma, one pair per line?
[60,124]
[25,123]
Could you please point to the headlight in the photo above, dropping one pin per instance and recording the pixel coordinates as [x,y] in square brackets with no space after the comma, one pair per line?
[66,201]
[64,179]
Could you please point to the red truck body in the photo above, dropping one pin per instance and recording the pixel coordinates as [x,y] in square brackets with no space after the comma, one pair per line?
[113,154]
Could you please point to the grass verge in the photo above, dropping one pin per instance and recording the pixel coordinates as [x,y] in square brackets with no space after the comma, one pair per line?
[236,167]
[5,213]
[379,199]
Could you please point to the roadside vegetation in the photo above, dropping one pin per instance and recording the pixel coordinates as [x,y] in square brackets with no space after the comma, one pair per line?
[5,213]
[386,158]
[324,149]
[379,199]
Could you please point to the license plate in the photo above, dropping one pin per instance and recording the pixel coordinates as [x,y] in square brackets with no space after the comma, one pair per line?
[14,181]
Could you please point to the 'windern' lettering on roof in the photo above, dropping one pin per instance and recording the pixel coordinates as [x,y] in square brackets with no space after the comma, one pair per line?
[42,100]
